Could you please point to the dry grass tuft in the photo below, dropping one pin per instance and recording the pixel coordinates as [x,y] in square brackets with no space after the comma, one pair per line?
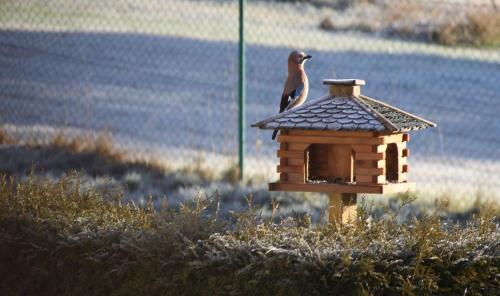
[57,238]
[336,4]
[198,167]
[441,23]
[231,174]
[5,138]
[480,28]
[63,202]
[102,145]
[327,24]
[97,149]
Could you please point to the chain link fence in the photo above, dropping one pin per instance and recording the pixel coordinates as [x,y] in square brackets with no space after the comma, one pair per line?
[161,77]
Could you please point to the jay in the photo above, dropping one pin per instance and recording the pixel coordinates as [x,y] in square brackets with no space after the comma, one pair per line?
[296,84]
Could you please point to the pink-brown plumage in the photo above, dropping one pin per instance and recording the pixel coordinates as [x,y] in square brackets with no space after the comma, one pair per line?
[296,84]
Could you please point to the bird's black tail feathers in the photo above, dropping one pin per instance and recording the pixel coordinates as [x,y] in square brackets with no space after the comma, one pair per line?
[275,133]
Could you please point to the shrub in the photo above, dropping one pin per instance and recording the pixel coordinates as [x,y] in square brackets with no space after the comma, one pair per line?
[327,24]
[440,23]
[57,238]
[5,138]
[480,28]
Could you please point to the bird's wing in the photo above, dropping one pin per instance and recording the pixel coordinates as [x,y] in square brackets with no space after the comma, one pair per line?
[285,100]
[288,99]
[297,93]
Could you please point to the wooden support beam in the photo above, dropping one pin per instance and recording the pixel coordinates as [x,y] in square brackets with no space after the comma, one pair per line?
[369,171]
[283,162]
[331,133]
[343,188]
[406,168]
[366,179]
[364,164]
[370,156]
[295,161]
[369,148]
[396,138]
[290,169]
[296,178]
[370,179]
[283,177]
[298,146]
[330,140]
[369,163]
[327,187]
[363,148]
[342,208]
[406,137]
[290,153]
[406,152]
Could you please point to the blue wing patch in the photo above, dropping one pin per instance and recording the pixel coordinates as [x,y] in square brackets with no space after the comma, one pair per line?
[298,91]
[296,95]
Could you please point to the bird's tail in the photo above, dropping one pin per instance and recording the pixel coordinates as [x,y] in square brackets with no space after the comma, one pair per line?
[275,133]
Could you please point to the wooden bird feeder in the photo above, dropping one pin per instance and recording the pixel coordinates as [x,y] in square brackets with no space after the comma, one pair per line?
[345,144]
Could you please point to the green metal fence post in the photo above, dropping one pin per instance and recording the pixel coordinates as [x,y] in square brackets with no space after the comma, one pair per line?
[241,90]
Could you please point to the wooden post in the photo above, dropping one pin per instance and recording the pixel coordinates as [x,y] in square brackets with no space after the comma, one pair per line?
[342,208]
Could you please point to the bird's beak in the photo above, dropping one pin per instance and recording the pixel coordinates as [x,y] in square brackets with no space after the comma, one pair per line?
[307,57]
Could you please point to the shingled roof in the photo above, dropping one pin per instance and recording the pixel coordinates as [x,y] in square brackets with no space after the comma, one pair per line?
[346,113]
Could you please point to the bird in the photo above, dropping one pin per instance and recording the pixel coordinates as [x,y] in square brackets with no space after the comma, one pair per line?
[296,84]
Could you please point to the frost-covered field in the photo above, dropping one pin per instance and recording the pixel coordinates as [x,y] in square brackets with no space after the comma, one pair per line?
[162,77]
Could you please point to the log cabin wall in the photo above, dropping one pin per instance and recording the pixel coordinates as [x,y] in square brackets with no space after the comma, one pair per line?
[302,155]
[372,166]
[403,154]
[370,163]
[292,167]
[390,163]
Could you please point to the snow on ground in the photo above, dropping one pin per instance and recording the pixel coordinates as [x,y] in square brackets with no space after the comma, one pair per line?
[164,82]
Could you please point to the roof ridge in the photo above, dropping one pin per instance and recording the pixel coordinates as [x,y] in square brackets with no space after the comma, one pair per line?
[284,113]
[399,110]
[386,122]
